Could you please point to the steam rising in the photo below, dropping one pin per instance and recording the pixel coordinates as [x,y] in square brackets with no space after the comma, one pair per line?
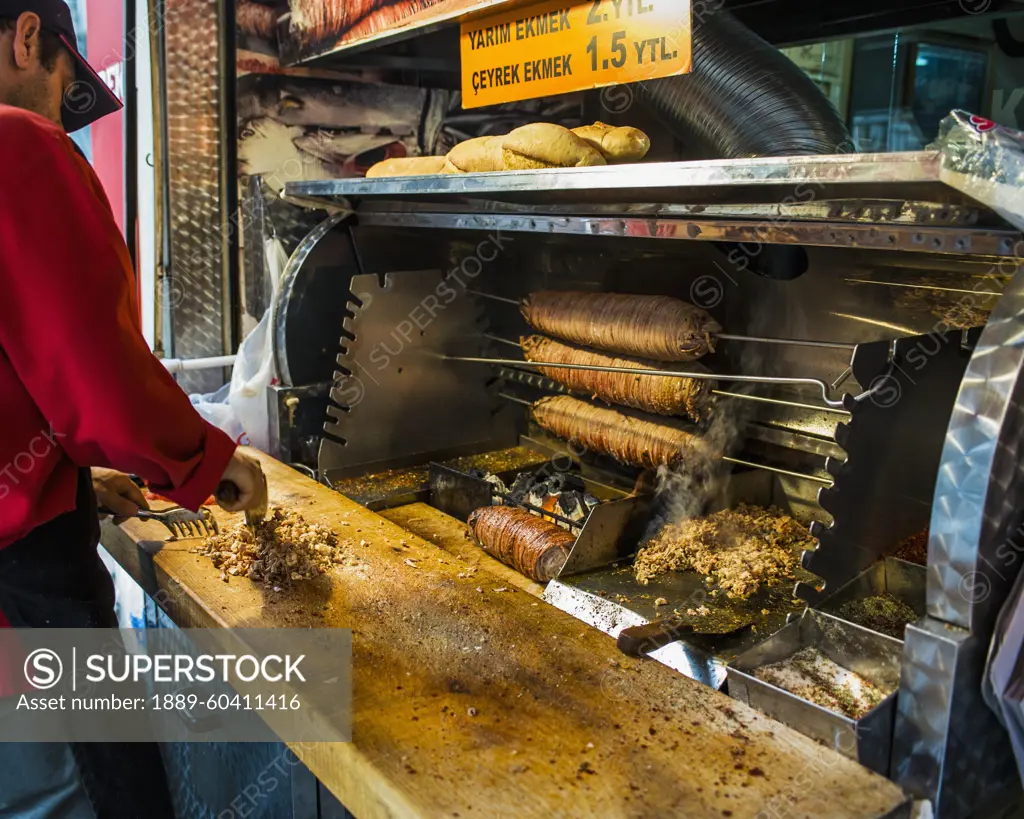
[689,490]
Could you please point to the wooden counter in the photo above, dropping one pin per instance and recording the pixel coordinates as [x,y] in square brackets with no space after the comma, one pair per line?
[474,698]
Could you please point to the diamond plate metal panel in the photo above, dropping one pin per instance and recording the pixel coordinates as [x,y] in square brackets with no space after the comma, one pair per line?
[972,560]
[949,746]
[199,224]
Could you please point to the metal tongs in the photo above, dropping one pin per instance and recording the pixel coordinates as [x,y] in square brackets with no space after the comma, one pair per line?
[179,521]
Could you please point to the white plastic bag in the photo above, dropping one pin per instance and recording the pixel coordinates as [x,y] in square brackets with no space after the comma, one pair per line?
[252,374]
[213,407]
[239,408]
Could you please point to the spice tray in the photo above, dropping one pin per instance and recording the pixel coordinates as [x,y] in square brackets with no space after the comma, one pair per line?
[906,582]
[873,656]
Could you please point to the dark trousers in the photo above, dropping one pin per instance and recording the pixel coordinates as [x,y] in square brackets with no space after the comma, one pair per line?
[54,578]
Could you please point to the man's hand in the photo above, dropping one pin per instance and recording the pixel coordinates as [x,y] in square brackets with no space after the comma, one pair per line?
[116,491]
[245,472]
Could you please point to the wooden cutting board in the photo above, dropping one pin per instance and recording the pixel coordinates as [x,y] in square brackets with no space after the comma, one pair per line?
[474,698]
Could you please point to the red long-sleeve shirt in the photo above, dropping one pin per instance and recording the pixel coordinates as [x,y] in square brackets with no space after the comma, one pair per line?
[78,383]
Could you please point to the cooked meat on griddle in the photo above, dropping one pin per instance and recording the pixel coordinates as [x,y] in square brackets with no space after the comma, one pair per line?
[532,546]
[285,547]
[656,327]
[738,550]
[627,438]
[661,395]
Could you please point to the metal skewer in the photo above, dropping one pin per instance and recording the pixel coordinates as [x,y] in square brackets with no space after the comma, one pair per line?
[777,471]
[750,464]
[779,402]
[796,342]
[843,376]
[927,287]
[745,379]
[723,393]
[492,297]
[515,400]
[500,340]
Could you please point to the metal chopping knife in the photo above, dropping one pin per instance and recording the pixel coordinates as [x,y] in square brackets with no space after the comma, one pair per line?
[255,516]
[639,641]
[227,492]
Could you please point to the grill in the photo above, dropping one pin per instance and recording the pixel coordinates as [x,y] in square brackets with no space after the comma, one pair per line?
[846,397]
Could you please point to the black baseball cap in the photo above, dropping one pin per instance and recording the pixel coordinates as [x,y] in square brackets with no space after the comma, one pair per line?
[88,98]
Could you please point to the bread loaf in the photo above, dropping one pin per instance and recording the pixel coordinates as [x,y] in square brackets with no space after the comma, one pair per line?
[477,155]
[546,145]
[406,166]
[616,144]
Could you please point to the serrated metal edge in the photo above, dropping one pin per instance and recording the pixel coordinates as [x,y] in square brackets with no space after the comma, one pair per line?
[809,558]
[338,410]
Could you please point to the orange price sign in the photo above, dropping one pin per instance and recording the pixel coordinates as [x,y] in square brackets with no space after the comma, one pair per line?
[559,46]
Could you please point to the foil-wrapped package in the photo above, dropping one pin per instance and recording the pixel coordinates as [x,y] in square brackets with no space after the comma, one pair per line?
[985,161]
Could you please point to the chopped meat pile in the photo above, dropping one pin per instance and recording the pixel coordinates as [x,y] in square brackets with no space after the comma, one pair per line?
[738,550]
[285,548]
[814,677]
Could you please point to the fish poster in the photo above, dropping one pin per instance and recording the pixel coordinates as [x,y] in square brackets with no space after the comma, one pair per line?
[304,129]
[310,129]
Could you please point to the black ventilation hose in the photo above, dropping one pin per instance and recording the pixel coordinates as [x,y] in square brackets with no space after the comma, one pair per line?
[744,99]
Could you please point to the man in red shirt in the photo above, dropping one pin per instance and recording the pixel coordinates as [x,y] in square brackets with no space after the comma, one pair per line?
[79,388]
